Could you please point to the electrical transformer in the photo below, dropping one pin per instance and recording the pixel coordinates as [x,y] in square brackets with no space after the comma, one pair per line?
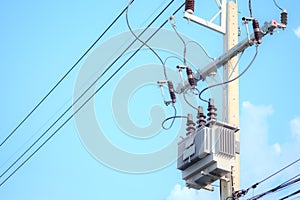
[207,154]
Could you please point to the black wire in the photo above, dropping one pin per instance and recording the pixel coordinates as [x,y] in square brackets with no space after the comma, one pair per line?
[138,38]
[70,107]
[250,8]
[199,45]
[273,190]
[66,74]
[173,119]
[182,40]
[231,80]
[175,113]
[290,195]
[66,121]
[289,165]
[277,172]
[276,4]
[187,102]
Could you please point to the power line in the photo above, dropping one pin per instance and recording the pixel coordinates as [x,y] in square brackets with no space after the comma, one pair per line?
[69,108]
[65,75]
[244,192]
[97,79]
[290,195]
[282,186]
[277,172]
[231,80]
[67,120]
[138,38]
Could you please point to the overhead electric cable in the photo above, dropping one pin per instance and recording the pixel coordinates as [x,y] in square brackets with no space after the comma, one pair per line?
[97,79]
[199,45]
[65,75]
[67,120]
[70,107]
[245,191]
[187,102]
[180,37]
[277,188]
[231,80]
[276,4]
[290,195]
[138,37]
[272,175]
[250,8]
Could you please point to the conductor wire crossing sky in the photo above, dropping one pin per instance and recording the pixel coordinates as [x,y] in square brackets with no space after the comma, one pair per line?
[36,59]
[68,119]
[63,78]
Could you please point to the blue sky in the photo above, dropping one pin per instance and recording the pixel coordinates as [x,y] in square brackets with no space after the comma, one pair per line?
[40,41]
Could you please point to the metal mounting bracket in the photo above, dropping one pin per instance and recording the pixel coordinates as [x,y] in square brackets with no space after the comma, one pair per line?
[219,27]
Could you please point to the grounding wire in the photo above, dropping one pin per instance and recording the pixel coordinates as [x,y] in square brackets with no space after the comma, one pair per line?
[65,75]
[70,107]
[67,120]
[138,37]
[231,80]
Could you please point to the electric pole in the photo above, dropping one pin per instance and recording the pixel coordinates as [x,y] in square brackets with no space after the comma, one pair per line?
[231,98]
[211,151]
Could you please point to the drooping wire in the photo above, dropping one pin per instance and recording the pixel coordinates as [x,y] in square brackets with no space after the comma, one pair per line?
[276,4]
[194,42]
[169,57]
[181,38]
[171,118]
[138,38]
[64,76]
[187,102]
[231,80]
[167,119]
[68,119]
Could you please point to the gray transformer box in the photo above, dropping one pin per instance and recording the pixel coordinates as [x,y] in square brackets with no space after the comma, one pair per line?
[207,154]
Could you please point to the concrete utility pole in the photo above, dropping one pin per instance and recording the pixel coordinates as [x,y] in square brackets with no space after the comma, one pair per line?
[199,168]
[231,97]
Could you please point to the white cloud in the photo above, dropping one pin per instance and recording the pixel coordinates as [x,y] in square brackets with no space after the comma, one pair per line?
[297,32]
[259,157]
[184,193]
[277,147]
[295,127]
